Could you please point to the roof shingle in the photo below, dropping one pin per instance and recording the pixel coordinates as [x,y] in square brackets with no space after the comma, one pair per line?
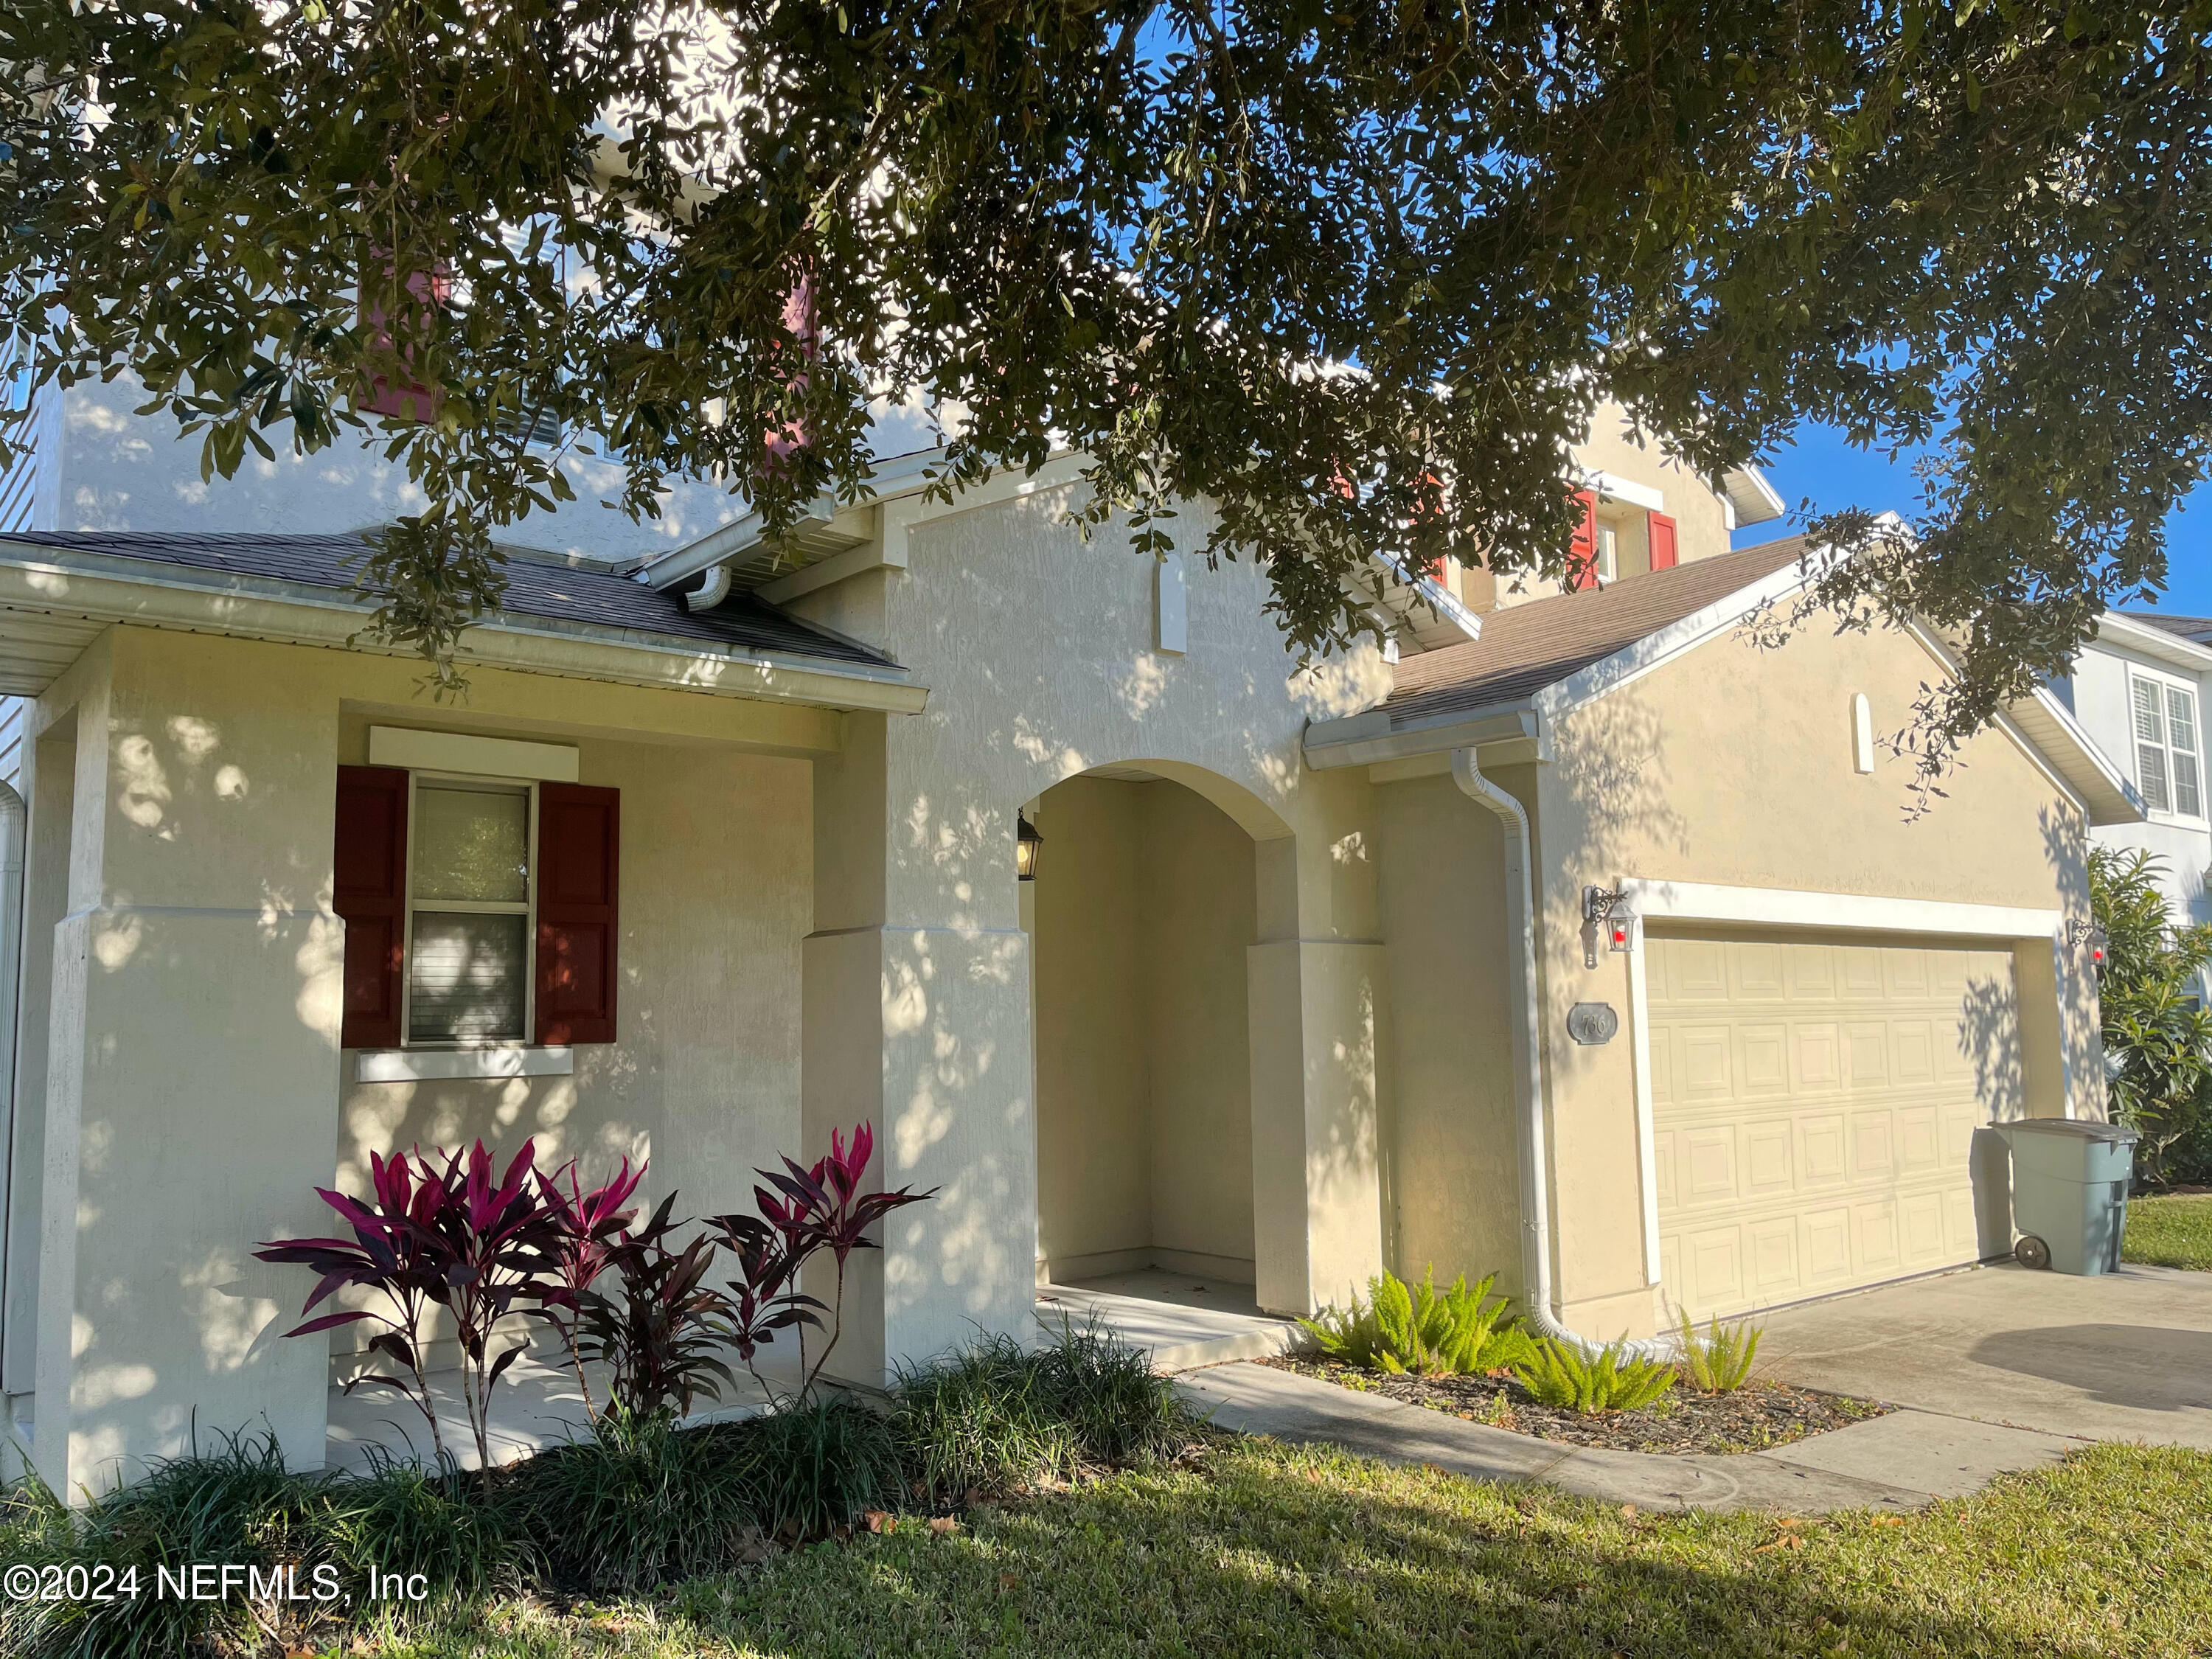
[1525,647]
[535,589]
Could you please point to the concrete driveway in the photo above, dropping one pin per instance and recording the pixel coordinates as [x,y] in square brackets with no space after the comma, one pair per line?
[2127,1355]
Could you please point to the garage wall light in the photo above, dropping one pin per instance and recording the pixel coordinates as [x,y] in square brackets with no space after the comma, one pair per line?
[1606,915]
[2098,941]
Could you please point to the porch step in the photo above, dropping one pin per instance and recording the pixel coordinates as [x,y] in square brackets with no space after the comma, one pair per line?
[1177,1336]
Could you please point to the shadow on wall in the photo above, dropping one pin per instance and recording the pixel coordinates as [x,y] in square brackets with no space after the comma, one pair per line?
[1988,1035]
[1616,774]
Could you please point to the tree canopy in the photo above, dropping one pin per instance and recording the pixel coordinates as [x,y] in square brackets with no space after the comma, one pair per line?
[1358,275]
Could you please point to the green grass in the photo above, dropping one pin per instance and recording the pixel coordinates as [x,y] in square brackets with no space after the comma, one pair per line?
[1266,1549]
[2169,1233]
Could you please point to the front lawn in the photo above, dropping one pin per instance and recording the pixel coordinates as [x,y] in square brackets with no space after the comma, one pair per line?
[1265,1550]
[2169,1233]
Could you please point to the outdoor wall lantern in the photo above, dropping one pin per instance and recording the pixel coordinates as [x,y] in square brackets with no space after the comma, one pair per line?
[1606,913]
[1026,842]
[2098,941]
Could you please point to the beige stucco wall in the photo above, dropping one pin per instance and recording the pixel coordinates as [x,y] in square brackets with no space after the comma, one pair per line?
[1454,1169]
[192,1088]
[1733,766]
[1038,649]
[1145,908]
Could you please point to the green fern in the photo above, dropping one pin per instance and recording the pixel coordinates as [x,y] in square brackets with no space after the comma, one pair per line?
[1413,1328]
[1560,1374]
[1719,1361]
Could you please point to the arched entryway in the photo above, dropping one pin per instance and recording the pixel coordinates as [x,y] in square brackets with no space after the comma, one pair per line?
[1144,905]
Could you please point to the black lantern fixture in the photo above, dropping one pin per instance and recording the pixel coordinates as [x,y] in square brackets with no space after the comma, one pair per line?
[1026,842]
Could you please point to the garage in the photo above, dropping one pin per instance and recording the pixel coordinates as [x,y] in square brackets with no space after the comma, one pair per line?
[1814,1103]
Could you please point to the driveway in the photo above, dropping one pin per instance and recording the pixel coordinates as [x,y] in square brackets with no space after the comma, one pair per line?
[2127,1355]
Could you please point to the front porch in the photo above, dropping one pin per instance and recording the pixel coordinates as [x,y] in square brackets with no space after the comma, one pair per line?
[1180,1321]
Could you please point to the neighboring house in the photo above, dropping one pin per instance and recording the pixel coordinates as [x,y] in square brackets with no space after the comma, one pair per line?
[1299,989]
[2138,688]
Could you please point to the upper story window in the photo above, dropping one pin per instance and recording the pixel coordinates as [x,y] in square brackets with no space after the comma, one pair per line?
[2168,751]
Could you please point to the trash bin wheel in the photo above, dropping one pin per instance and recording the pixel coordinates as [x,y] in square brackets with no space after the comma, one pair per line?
[2031,1252]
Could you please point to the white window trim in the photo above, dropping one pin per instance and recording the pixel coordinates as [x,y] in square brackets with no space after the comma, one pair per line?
[427,1064]
[2167,683]
[1769,907]
[495,1045]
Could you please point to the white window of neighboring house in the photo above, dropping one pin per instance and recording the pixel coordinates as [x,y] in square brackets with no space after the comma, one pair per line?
[1608,552]
[2169,753]
[468,933]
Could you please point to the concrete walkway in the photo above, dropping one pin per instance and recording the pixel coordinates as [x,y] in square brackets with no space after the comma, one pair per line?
[1896,1462]
[2125,1356]
[1180,1320]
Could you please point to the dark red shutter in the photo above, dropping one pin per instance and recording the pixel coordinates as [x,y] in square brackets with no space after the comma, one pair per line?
[368,889]
[579,858]
[1581,553]
[408,400]
[1665,554]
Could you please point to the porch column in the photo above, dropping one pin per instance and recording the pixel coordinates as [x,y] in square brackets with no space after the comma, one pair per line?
[191,1072]
[917,1017]
[1318,1010]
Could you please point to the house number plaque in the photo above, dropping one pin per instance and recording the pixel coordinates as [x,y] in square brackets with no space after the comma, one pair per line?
[1592,1022]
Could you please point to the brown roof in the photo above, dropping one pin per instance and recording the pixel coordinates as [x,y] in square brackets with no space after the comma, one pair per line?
[1525,647]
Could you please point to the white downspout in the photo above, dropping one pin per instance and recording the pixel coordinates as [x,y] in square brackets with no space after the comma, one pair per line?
[13,819]
[1543,1316]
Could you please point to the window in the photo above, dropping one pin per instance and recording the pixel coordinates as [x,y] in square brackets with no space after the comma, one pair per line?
[2168,756]
[479,912]
[468,920]
[1608,552]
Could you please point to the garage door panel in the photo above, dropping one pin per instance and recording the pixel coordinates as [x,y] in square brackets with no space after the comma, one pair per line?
[1814,1104]
[1820,1140]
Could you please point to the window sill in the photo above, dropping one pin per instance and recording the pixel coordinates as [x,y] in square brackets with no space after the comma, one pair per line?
[430,1064]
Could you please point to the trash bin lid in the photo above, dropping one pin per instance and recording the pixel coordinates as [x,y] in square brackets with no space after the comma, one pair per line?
[2081,1128]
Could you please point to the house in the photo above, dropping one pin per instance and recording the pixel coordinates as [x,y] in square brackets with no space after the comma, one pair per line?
[2138,689]
[1574,936]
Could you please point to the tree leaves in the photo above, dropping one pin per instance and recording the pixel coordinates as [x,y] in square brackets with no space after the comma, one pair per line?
[1360,278]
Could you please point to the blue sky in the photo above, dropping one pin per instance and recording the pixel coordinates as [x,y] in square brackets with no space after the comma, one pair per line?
[1822,466]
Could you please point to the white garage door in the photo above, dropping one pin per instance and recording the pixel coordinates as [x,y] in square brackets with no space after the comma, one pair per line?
[1814,1103]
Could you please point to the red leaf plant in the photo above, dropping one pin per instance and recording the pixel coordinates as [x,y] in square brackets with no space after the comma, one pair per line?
[811,1210]
[452,1236]
[593,1227]
[658,1338]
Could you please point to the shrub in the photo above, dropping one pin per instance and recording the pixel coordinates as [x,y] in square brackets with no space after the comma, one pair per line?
[2155,1032]
[639,1503]
[241,1506]
[1718,1361]
[996,1417]
[821,1463]
[1561,1374]
[1403,1328]
[659,1336]
[446,1237]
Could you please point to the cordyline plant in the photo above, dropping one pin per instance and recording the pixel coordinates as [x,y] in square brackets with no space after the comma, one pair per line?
[593,1228]
[445,1236]
[810,1211]
[658,1337]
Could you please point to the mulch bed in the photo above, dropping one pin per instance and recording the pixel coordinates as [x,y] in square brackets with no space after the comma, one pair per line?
[1753,1418]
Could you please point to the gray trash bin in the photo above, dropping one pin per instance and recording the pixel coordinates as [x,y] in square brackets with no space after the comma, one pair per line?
[2070,1192]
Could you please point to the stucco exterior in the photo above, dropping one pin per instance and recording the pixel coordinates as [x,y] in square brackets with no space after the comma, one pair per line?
[1255,1018]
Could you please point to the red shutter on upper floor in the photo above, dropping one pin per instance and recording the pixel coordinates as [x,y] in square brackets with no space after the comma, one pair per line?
[409,400]
[1665,553]
[369,891]
[579,858]
[1581,553]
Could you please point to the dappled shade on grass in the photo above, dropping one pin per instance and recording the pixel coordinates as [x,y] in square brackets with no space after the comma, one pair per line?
[1266,1550]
